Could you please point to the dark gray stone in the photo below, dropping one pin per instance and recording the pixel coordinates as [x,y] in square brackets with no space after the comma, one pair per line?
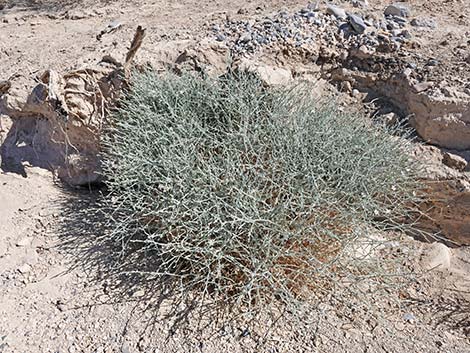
[357,23]
[399,19]
[397,9]
[432,62]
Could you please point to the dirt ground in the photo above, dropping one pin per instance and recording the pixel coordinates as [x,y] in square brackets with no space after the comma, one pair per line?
[50,301]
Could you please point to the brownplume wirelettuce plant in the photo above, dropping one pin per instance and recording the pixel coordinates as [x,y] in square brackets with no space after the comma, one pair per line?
[244,194]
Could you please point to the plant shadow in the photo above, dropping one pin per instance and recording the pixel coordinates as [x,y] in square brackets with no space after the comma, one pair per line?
[451,313]
[127,277]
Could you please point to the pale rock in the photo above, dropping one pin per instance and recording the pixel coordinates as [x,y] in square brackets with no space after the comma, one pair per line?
[363,52]
[336,11]
[438,256]
[270,75]
[166,53]
[437,118]
[126,348]
[422,86]
[207,55]
[139,293]
[15,100]
[424,22]
[410,318]
[407,72]
[245,38]
[400,326]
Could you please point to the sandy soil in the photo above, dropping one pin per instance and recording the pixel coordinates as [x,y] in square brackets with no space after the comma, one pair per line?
[52,300]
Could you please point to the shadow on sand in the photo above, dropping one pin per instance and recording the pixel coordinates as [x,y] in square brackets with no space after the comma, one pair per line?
[128,277]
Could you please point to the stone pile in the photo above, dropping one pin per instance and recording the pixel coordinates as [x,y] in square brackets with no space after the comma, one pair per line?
[331,26]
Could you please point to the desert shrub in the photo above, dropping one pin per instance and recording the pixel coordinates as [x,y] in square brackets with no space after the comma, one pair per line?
[246,194]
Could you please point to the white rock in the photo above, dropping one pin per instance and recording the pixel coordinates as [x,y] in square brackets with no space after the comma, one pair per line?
[270,75]
[336,11]
[139,293]
[410,318]
[437,256]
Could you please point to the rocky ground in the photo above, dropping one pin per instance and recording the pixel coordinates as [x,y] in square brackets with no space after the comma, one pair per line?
[408,62]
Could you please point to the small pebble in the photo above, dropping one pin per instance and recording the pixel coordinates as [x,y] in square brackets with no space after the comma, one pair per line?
[126,348]
[220,37]
[432,62]
[336,11]
[397,9]
[410,318]
[360,3]
[357,23]
[245,38]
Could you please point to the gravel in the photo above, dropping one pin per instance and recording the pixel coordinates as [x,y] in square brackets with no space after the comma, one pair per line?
[330,27]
